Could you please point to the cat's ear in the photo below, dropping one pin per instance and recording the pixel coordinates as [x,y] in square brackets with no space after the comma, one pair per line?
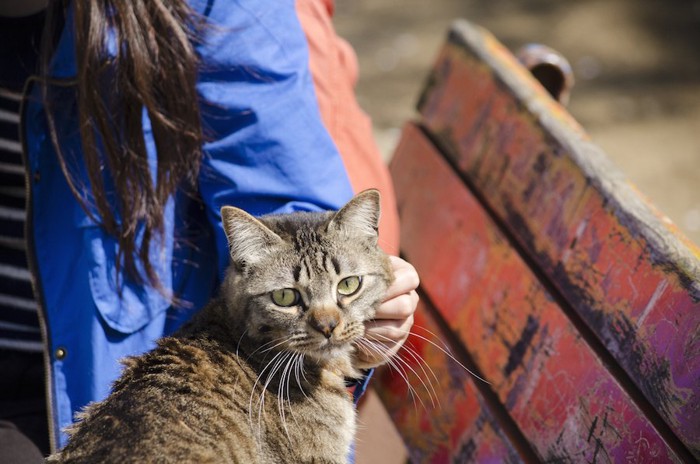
[248,239]
[360,216]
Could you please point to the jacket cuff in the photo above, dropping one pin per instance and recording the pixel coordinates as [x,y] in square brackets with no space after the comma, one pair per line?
[359,386]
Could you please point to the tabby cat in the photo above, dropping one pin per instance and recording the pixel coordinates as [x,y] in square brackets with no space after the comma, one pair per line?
[259,375]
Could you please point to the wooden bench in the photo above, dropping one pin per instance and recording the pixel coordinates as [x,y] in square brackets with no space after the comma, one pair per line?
[546,273]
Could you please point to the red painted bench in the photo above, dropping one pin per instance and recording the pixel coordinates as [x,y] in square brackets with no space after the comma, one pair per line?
[546,273]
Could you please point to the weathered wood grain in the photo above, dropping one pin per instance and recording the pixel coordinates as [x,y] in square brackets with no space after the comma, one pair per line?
[442,417]
[553,385]
[627,272]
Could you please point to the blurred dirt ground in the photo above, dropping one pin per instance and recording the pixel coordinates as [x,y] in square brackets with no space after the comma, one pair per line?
[637,93]
[636,63]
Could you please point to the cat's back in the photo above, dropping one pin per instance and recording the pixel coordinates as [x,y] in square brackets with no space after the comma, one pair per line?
[177,403]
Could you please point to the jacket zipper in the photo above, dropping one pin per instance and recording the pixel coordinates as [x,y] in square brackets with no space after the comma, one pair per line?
[33,267]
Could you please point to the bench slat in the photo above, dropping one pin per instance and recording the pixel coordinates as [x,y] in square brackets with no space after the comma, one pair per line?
[555,388]
[624,269]
[458,427]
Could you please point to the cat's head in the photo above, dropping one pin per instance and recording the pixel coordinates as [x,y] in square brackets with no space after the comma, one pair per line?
[307,282]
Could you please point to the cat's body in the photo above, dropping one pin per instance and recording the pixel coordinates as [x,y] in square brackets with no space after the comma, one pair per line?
[192,400]
[259,374]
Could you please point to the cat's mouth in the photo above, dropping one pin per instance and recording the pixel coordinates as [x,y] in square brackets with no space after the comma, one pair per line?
[319,346]
[330,344]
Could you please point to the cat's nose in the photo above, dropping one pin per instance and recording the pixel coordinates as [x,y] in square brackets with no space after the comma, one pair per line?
[325,329]
[324,323]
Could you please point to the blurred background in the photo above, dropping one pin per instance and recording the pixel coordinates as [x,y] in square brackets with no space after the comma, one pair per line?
[636,64]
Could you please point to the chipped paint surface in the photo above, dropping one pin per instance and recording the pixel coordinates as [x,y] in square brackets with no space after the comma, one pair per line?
[442,417]
[554,387]
[628,274]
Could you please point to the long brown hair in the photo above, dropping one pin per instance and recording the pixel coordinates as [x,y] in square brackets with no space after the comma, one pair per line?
[152,65]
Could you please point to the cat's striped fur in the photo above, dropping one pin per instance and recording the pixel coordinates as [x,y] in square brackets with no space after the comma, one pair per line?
[249,380]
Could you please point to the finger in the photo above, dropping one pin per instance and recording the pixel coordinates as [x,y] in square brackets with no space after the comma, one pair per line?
[389,331]
[405,278]
[399,307]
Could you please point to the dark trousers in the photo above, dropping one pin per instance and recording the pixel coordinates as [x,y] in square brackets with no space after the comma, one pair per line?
[24,436]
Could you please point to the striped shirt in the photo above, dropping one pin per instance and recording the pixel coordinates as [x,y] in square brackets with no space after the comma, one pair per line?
[19,321]
[19,324]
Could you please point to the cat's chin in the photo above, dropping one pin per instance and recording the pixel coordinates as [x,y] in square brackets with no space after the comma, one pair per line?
[328,350]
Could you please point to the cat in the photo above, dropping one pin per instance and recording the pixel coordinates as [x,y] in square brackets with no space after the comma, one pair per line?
[258,375]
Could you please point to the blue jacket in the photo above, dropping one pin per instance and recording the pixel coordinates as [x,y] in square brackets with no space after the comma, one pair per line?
[267,151]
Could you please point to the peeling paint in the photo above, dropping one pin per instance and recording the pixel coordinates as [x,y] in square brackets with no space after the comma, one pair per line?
[652,302]
[536,361]
[624,272]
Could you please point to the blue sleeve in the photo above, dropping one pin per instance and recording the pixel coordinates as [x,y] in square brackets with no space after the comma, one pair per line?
[266,147]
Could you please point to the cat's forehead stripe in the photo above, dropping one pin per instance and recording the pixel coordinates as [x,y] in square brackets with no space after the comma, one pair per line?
[307,266]
[304,238]
[324,261]
[336,265]
[315,261]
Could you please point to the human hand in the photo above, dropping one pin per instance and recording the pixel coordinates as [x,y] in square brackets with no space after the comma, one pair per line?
[387,332]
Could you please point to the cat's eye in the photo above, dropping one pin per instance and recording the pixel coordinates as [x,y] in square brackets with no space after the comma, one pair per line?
[285,297]
[349,285]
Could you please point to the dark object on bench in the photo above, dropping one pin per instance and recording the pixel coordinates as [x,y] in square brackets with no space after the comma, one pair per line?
[544,271]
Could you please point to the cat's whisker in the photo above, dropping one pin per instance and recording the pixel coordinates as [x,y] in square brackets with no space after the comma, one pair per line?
[353,331]
[429,332]
[303,343]
[270,377]
[287,378]
[280,404]
[262,395]
[422,364]
[281,341]
[292,365]
[443,350]
[300,367]
[264,345]
[425,379]
[238,345]
[402,373]
[368,347]
[281,387]
[292,369]
[261,402]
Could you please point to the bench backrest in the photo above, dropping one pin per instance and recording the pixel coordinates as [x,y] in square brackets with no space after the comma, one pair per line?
[546,273]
